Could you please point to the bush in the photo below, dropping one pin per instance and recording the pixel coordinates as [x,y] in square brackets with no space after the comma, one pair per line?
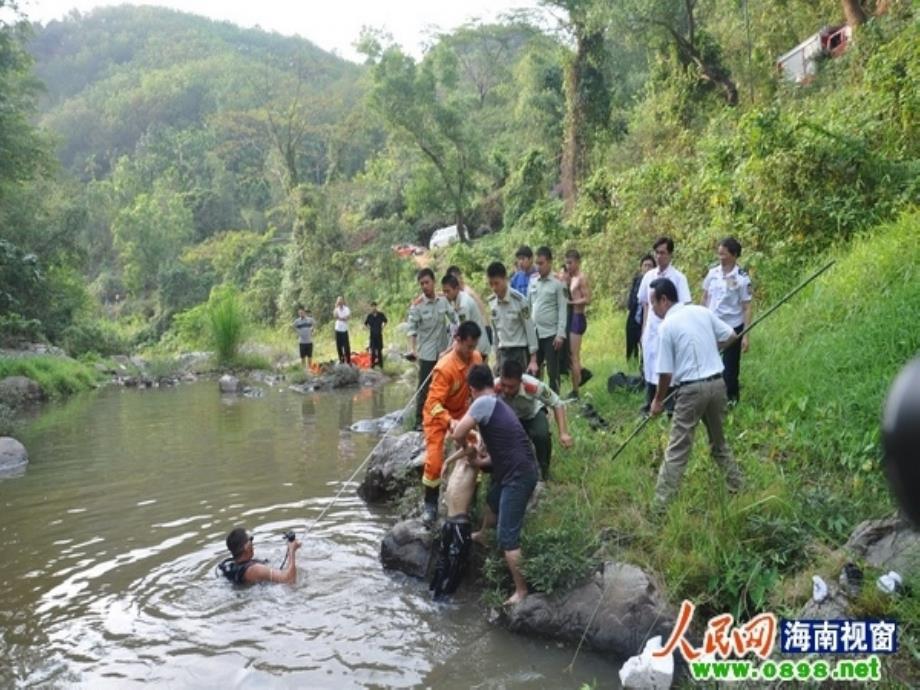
[100,337]
[16,329]
[226,324]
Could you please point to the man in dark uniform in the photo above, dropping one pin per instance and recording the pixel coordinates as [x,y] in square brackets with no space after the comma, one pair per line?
[375,321]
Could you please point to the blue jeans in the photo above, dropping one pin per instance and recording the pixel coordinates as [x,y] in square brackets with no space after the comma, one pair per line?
[509,502]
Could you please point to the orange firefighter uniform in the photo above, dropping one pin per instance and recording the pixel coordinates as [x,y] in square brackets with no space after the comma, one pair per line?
[448,398]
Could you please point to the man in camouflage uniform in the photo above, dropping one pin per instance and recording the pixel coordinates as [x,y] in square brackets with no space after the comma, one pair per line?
[428,333]
[515,335]
[530,399]
[549,306]
[467,310]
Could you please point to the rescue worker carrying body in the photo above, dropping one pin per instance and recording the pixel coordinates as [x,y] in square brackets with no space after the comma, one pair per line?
[447,401]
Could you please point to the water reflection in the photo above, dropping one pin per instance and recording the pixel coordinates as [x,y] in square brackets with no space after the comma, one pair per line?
[112,537]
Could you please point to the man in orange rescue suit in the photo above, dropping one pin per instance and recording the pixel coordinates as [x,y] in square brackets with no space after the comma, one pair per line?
[448,400]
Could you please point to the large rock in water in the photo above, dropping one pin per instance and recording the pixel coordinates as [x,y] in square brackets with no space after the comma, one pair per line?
[394,466]
[17,390]
[342,376]
[632,610]
[407,548]
[13,455]
[890,544]
[229,384]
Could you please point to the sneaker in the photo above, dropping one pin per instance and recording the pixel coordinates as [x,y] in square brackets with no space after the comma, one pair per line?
[429,515]
[586,375]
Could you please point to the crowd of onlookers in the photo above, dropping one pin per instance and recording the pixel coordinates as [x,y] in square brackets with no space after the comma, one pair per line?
[531,328]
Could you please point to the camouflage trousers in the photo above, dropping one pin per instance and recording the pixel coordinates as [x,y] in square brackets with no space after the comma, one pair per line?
[704,401]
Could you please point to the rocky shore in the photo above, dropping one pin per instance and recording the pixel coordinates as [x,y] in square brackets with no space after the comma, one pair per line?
[618,607]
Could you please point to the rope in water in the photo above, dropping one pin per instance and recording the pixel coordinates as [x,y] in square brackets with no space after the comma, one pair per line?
[309,527]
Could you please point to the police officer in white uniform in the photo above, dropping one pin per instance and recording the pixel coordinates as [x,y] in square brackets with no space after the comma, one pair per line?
[727,294]
[688,359]
[663,249]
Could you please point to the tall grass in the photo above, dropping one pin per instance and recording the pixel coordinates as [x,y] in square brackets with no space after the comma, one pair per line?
[226,324]
[55,375]
[806,435]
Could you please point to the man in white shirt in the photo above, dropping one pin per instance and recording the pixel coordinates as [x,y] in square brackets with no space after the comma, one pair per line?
[688,359]
[727,294]
[341,314]
[663,249]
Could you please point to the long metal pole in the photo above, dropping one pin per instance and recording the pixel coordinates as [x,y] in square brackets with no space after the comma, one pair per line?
[743,333]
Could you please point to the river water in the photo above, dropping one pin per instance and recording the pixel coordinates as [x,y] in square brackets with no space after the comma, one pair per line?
[111,537]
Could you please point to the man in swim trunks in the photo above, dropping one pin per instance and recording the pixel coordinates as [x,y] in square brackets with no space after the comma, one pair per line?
[579,298]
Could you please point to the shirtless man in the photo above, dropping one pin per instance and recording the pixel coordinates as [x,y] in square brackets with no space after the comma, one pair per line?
[242,568]
[579,298]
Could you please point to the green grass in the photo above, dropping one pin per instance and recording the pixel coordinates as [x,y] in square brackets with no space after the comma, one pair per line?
[806,435]
[57,376]
[226,325]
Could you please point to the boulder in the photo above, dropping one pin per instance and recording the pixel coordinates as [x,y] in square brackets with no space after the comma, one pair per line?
[371,377]
[342,376]
[834,606]
[19,390]
[381,425]
[407,548]
[229,384]
[890,544]
[395,465]
[630,607]
[13,455]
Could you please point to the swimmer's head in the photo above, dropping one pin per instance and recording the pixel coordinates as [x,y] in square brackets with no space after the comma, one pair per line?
[239,543]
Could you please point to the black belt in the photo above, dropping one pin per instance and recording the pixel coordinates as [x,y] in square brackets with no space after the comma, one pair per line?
[708,378]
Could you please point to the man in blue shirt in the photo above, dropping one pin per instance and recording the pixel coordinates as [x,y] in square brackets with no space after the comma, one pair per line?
[520,281]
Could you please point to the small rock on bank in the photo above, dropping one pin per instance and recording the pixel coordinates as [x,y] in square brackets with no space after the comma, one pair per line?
[407,548]
[19,390]
[632,610]
[395,466]
[13,455]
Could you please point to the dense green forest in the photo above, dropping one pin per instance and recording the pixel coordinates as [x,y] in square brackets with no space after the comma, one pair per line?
[174,155]
[156,166]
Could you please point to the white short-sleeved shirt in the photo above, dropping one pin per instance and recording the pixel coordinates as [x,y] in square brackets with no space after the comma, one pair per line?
[341,315]
[650,336]
[728,293]
[689,348]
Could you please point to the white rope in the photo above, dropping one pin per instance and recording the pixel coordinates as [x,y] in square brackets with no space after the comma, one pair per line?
[360,467]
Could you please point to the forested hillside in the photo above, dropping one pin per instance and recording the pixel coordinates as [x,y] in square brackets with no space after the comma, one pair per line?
[194,154]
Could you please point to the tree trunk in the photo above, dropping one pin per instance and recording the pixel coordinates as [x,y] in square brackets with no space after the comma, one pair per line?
[711,72]
[571,126]
[853,11]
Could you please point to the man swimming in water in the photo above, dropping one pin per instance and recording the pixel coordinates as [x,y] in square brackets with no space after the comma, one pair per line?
[242,568]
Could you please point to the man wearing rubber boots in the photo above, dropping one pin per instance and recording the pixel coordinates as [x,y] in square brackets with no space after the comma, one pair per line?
[447,401]
[688,359]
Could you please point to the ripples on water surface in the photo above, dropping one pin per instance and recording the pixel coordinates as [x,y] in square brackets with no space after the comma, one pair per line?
[111,537]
